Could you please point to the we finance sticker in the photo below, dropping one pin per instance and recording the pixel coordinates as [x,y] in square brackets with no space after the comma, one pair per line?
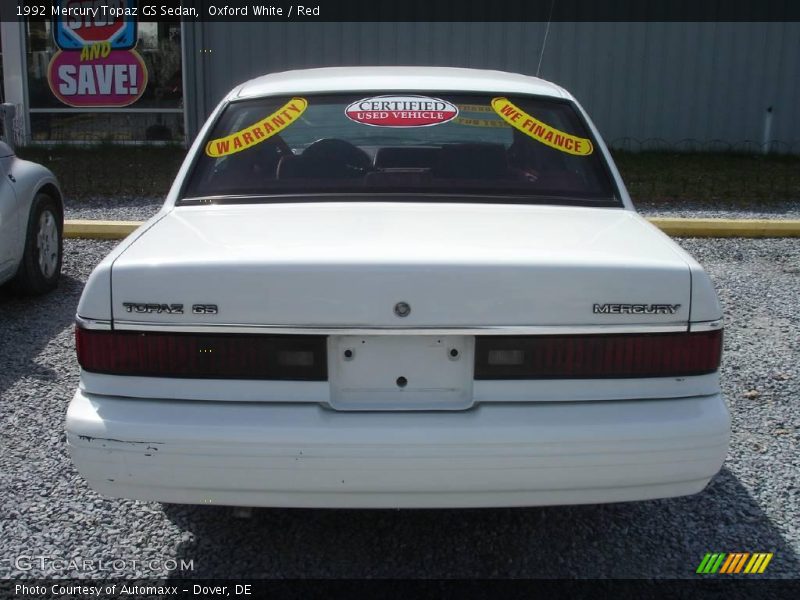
[541,132]
[401,111]
[258,132]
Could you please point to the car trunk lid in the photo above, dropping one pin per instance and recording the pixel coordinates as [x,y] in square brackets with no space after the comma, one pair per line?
[451,265]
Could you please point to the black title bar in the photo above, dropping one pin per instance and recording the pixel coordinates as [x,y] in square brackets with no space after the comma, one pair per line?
[401,589]
[429,10]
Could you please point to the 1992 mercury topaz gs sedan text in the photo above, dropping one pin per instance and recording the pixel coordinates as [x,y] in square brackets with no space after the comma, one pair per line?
[398,287]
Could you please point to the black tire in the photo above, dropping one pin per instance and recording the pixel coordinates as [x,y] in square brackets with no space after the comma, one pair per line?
[32,277]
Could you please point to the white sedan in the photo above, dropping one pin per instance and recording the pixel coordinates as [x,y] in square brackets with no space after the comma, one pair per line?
[398,287]
[31,224]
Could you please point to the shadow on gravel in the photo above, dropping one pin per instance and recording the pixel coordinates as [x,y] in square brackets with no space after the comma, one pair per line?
[664,538]
[27,326]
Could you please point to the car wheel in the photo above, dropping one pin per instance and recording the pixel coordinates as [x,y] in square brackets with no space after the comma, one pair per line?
[41,262]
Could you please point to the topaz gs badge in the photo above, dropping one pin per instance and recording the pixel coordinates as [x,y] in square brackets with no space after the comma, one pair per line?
[401,111]
[153,307]
[204,309]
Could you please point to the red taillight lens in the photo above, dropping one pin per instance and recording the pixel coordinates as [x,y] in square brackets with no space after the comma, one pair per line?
[598,356]
[209,356]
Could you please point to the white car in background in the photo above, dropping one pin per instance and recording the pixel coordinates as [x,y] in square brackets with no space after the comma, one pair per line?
[398,287]
[31,224]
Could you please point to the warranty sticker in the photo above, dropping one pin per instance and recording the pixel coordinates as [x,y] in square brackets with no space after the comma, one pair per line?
[482,110]
[541,132]
[258,132]
[481,122]
[475,108]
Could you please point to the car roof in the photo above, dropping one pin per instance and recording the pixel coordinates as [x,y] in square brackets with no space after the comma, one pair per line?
[395,79]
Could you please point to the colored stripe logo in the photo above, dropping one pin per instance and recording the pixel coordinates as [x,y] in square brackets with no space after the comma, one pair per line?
[734,562]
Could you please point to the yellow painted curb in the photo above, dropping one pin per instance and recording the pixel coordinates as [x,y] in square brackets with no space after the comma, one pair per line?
[728,227]
[116,230]
[99,230]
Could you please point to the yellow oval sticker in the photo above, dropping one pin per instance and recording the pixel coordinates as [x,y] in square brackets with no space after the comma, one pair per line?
[258,132]
[541,132]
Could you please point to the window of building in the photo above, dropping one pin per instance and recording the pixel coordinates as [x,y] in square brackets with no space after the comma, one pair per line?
[155,116]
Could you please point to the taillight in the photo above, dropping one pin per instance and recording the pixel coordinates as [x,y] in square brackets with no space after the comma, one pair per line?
[198,355]
[598,356]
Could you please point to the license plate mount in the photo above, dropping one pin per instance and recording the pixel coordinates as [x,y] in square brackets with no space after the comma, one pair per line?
[401,372]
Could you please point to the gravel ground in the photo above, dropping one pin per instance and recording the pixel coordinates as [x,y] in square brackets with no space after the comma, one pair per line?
[752,505]
[141,208]
[789,209]
[124,208]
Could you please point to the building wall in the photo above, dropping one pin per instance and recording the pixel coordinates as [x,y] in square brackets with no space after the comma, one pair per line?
[646,81]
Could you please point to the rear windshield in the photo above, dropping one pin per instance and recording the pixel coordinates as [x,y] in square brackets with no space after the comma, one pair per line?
[487,148]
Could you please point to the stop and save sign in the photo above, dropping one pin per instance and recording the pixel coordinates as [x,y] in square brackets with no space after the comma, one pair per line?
[79,23]
[96,65]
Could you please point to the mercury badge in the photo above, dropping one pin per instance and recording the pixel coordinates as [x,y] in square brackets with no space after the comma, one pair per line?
[636,309]
[402,309]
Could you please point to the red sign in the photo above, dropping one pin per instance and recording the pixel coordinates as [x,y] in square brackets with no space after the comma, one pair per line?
[116,79]
[88,29]
[401,111]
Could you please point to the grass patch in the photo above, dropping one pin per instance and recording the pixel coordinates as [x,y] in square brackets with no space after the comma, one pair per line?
[707,177]
[123,171]
[109,169]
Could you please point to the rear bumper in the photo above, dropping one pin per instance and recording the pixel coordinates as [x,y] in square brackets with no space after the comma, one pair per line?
[299,455]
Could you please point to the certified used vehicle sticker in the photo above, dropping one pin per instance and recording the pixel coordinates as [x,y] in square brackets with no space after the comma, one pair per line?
[258,132]
[541,132]
[401,111]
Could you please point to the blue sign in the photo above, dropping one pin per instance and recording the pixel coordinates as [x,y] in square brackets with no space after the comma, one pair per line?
[78,23]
